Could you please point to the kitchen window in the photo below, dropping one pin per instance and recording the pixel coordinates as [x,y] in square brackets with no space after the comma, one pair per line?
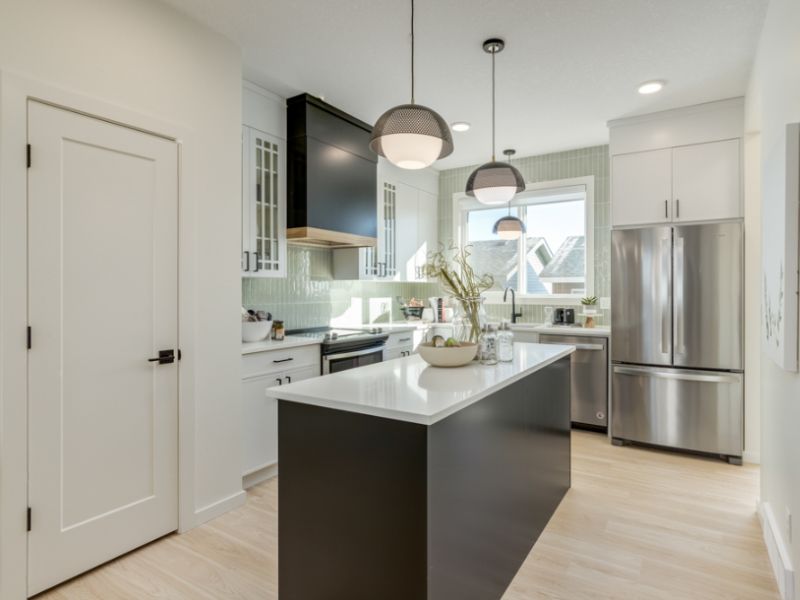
[554,259]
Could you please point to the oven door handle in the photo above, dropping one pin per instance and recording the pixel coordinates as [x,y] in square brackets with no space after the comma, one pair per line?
[370,350]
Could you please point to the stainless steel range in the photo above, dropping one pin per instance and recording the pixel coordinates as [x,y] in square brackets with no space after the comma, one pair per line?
[344,349]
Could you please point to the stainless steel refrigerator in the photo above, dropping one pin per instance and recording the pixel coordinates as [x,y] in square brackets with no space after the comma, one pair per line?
[677,337]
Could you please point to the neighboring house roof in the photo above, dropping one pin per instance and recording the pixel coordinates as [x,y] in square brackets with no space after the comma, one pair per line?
[499,257]
[569,262]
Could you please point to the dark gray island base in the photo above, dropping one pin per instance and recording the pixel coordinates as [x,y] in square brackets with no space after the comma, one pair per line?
[375,508]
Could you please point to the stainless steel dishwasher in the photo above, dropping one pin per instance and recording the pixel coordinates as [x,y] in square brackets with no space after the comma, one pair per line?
[589,378]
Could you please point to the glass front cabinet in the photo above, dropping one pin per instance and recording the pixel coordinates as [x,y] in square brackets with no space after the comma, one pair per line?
[380,262]
[263,204]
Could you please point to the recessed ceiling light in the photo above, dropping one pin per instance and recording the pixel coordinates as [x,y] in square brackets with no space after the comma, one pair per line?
[460,126]
[651,87]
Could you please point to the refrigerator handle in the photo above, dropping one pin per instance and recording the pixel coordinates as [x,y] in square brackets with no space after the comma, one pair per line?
[663,285]
[703,377]
[680,342]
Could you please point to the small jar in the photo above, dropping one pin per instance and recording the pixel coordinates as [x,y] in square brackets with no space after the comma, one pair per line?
[488,346]
[505,343]
[278,331]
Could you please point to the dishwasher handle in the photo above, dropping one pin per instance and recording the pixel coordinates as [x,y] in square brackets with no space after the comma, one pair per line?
[592,347]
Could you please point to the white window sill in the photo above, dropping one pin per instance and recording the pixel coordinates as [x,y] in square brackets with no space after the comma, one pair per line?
[549,300]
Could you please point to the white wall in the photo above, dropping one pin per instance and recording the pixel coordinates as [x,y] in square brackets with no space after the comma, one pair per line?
[142,56]
[773,100]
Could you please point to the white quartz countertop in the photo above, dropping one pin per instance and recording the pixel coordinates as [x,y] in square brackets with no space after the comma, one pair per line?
[408,389]
[289,341]
[599,331]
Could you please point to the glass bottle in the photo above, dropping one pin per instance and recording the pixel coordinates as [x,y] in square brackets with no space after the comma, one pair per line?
[505,343]
[488,346]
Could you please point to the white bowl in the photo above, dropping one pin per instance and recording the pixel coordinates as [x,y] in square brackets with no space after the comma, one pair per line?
[256,331]
[457,356]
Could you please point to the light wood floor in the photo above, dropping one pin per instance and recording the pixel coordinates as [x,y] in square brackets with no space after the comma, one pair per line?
[637,524]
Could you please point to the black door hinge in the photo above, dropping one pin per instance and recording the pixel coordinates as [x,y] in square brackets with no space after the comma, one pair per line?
[29,518]
[30,337]
[28,154]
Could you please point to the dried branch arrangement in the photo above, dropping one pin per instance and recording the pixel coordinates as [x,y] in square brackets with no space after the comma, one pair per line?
[459,280]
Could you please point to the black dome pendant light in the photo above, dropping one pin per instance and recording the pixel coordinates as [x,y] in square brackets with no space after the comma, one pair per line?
[494,182]
[509,227]
[411,136]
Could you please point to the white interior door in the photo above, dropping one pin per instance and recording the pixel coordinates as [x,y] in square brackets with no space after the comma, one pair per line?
[103,253]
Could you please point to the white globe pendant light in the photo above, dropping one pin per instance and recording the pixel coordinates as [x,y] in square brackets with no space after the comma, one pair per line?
[509,227]
[494,182]
[411,136]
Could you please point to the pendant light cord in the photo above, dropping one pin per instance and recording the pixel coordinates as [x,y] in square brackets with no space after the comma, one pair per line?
[412,52]
[493,110]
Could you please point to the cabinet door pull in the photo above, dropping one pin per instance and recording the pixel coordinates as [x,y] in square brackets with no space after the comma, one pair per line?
[666,209]
[247,260]
[283,360]
[677,208]
[258,261]
[288,379]
[279,380]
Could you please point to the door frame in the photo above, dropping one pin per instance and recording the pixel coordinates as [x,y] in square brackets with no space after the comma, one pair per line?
[15,92]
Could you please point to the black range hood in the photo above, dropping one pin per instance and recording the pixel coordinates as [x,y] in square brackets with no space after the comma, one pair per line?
[332,177]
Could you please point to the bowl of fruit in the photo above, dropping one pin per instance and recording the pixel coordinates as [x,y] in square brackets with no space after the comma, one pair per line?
[441,352]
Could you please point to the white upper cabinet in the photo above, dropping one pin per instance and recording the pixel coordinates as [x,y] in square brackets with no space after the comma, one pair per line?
[706,181]
[681,165]
[263,204]
[641,185]
[263,183]
[427,229]
[407,218]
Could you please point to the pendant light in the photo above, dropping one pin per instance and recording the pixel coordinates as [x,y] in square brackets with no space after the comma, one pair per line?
[494,182]
[509,227]
[411,136]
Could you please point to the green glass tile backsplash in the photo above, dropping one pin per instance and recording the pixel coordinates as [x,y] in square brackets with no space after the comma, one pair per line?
[310,297]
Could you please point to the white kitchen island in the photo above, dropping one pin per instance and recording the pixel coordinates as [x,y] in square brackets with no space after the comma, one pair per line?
[399,480]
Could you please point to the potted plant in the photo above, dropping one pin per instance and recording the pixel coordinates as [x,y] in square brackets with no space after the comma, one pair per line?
[589,310]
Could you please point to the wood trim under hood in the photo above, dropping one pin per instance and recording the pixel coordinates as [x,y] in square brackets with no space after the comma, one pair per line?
[325,238]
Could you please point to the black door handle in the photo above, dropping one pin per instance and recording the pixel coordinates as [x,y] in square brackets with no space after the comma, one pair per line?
[165,357]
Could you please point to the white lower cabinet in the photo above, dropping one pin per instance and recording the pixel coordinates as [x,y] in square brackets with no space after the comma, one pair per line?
[403,343]
[260,412]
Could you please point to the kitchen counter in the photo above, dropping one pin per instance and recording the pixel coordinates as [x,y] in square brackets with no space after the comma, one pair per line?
[408,389]
[400,480]
[290,341]
[599,331]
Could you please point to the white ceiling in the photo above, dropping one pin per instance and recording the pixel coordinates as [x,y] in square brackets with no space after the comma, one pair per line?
[568,67]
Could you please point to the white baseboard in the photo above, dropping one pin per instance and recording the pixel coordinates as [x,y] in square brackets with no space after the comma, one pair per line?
[220,507]
[259,476]
[778,553]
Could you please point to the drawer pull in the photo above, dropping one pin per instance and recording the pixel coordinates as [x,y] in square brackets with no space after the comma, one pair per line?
[405,339]
[279,380]
[283,360]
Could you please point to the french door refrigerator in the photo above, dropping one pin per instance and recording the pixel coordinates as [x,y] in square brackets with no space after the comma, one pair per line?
[678,333]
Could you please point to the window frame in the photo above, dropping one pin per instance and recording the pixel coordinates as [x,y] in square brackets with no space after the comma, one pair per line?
[462,204]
